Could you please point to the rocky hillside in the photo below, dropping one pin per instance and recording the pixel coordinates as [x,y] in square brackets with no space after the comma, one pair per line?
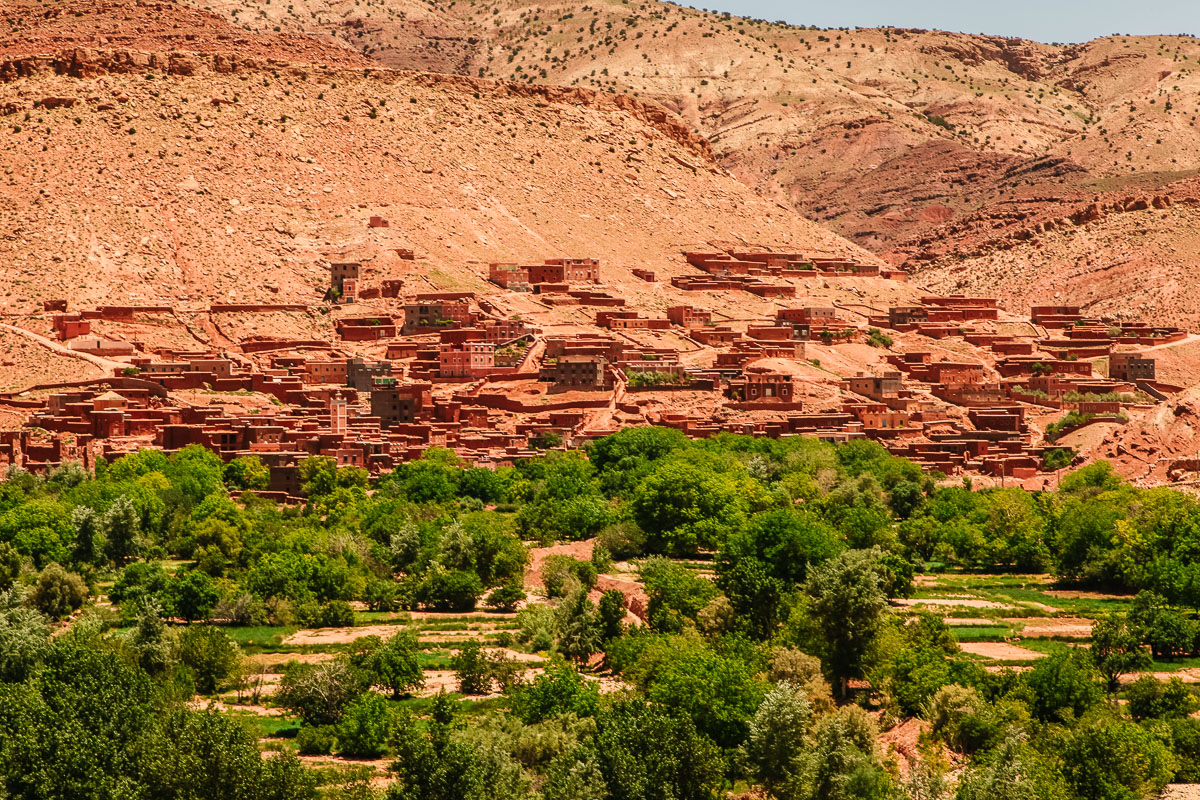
[885,134]
[210,167]
[1121,255]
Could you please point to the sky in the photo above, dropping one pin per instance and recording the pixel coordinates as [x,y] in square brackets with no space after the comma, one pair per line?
[1040,20]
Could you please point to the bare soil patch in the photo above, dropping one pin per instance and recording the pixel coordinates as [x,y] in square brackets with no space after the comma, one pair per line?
[1041,627]
[1000,651]
[1181,791]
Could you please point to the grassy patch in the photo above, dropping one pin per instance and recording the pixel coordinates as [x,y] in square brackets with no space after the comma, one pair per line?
[981,633]
[258,638]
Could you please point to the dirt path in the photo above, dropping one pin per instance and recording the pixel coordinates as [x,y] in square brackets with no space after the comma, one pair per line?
[1191,338]
[533,358]
[106,364]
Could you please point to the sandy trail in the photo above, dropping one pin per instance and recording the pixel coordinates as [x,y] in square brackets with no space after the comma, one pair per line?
[99,361]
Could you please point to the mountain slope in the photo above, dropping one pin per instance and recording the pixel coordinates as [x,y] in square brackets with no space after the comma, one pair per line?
[1119,255]
[242,178]
[885,134]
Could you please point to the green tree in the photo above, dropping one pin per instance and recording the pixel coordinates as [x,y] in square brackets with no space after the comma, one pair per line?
[560,689]
[246,473]
[1016,772]
[320,692]
[579,631]
[154,643]
[928,660]
[91,724]
[506,597]
[1015,531]
[684,506]
[195,472]
[611,615]
[906,498]
[24,637]
[575,775]
[778,731]
[209,755]
[58,592]
[1150,698]
[38,528]
[1064,686]
[434,477]
[10,566]
[397,663]
[1167,632]
[757,597]
[1084,542]
[847,608]
[841,762]
[137,583]
[473,669]
[1112,759]
[646,753]
[787,541]
[675,593]
[210,655]
[436,766]
[192,595]
[365,727]
[483,484]
[719,691]
[449,590]
[1117,649]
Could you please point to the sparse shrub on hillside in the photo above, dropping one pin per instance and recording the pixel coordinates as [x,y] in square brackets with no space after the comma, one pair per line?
[877,338]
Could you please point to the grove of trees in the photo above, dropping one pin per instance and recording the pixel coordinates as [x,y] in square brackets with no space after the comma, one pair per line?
[770,654]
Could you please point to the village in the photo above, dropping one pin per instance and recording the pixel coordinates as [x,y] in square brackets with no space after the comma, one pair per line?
[404,372]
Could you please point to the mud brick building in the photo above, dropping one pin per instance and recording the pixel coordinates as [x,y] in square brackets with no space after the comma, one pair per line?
[761,386]
[877,387]
[629,320]
[722,336]
[810,315]
[1131,367]
[426,316]
[467,359]
[968,308]
[69,326]
[1034,365]
[365,329]
[362,375]
[513,277]
[101,347]
[1055,316]
[566,270]
[689,317]
[398,403]
[900,317]
[501,331]
[580,372]
[321,371]
[339,272]
[877,417]
[951,372]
